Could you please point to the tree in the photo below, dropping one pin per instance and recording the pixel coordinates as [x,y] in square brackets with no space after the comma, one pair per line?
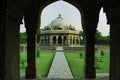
[38,34]
[82,37]
[100,39]
[98,36]
[23,37]
[102,53]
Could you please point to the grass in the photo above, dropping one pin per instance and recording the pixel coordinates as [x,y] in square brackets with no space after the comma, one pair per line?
[43,63]
[77,64]
[103,63]
[23,57]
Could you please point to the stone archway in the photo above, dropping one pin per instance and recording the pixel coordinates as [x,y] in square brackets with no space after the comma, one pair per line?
[111,8]
[54,40]
[60,40]
[89,26]
[64,40]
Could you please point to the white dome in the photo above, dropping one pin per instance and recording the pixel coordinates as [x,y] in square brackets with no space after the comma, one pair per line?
[59,22]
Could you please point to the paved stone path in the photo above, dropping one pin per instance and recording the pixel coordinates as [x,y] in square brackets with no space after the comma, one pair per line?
[59,67]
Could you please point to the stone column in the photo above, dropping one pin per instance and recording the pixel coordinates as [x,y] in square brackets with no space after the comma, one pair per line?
[51,40]
[2,40]
[31,52]
[90,72]
[79,41]
[72,40]
[115,51]
[114,21]
[112,10]
[57,40]
[68,40]
[75,40]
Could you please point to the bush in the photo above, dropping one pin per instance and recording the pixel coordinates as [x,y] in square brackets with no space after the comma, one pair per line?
[81,55]
[102,53]
[38,53]
[22,62]
[97,66]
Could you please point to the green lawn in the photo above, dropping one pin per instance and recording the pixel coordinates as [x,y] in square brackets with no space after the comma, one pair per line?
[77,64]
[43,63]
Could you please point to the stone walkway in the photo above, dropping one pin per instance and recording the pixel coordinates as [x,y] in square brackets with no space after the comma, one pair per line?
[60,67]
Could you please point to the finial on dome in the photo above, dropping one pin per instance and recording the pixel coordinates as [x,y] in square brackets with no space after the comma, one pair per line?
[59,15]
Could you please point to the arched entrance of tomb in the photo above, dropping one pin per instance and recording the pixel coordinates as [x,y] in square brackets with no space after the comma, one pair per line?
[60,40]
[54,40]
[64,40]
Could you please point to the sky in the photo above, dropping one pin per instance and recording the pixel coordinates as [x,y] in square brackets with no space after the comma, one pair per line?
[71,14]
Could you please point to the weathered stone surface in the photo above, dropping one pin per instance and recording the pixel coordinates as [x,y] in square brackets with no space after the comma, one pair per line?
[60,67]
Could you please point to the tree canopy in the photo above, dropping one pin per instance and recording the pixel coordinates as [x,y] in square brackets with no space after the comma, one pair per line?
[99,38]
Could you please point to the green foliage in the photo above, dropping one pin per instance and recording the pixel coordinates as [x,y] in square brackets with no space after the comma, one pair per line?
[100,39]
[97,66]
[23,38]
[81,55]
[23,61]
[102,53]
[82,35]
[38,53]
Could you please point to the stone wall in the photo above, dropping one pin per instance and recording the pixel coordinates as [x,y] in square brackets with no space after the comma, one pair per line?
[73,49]
[66,49]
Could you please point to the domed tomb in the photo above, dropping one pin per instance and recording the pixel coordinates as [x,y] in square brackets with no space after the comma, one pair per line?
[59,33]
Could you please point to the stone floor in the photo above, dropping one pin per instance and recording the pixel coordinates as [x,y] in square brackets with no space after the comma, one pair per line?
[60,70]
[98,78]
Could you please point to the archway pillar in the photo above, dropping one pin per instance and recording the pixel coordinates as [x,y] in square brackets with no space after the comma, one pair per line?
[114,21]
[51,39]
[56,39]
[90,72]
[2,41]
[115,51]
[68,40]
[31,52]
[75,40]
